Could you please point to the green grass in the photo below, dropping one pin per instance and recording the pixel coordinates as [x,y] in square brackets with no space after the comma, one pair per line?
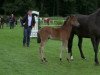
[18,60]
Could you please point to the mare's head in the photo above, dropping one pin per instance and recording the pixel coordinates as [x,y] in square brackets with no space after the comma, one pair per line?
[71,20]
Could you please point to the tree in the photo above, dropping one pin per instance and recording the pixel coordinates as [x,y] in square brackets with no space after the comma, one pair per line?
[50,7]
[18,6]
[1,4]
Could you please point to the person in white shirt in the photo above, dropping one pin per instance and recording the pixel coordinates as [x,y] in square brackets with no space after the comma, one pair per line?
[28,23]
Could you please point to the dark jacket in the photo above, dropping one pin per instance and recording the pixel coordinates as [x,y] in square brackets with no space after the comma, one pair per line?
[1,20]
[25,20]
[12,19]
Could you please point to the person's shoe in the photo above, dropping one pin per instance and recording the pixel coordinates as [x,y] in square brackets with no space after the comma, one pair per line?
[28,46]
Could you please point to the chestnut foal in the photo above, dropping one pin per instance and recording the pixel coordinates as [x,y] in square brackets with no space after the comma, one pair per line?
[62,33]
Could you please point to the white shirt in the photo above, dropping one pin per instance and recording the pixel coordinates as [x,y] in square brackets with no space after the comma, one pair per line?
[29,20]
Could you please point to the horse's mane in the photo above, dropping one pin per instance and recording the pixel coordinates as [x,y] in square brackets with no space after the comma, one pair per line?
[65,22]
[96,12]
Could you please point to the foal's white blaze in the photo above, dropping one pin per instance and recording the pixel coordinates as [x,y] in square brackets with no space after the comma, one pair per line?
[62,48]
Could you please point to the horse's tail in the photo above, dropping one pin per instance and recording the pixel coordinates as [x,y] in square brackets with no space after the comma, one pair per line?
[38,38]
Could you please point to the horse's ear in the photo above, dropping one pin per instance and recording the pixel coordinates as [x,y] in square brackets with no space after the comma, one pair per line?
[72,16]
[67,16]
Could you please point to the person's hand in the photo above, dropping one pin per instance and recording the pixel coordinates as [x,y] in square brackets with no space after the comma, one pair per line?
[23,24]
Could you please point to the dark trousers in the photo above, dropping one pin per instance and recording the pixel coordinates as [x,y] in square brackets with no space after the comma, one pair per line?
[1,26]
[11,25]
[26,38]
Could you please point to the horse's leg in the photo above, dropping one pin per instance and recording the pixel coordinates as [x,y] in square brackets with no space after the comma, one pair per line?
[42,52]
[66,48]
[62,48]
[95,42]
[80,47]
[70,43]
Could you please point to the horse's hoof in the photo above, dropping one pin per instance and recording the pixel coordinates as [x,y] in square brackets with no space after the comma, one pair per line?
[72,58]
[60,59]
[97,63]
[84,58]
[68,60]
[45,59]
[42,60]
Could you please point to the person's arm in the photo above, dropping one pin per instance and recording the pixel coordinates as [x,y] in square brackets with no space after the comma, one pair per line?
[24,20]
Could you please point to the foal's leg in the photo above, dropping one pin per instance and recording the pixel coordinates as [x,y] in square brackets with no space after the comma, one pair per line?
[42,52]
[66,48]
[62,48]
[80,47]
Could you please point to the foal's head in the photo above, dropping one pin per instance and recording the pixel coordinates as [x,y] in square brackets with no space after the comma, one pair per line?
[71,20]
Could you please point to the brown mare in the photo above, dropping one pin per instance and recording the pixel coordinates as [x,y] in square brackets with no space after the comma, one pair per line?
[62,33]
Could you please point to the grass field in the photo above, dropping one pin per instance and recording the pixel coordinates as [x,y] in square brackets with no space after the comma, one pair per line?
[18,60]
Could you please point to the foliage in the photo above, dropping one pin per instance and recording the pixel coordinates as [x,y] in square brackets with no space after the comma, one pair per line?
[50,7]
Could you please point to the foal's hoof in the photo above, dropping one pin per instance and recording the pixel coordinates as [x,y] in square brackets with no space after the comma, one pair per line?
[45,59]
[83,57]
[60,59]
[42,61]
[68,60]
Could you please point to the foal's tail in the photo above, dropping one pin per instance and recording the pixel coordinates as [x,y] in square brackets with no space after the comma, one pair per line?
[38,38]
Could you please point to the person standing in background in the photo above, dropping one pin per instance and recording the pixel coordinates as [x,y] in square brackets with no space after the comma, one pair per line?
[28,23]
[12,21]
[7,21]
[1,22]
